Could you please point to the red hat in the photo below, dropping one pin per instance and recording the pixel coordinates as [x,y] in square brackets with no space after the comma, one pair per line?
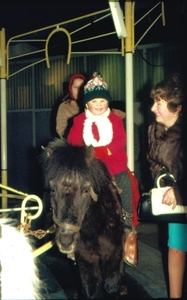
[74,76]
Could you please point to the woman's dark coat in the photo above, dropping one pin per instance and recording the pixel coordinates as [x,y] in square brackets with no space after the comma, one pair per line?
[167,150]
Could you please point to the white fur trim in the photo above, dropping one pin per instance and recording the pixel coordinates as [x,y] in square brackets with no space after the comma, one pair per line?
[19,273]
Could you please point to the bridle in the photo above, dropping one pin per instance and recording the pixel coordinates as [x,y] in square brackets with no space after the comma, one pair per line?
[65,225]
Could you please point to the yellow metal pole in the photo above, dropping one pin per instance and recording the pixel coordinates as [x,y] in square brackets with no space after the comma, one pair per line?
[129,20]
[43,248]
[3,76]
[163,14]
[3,73]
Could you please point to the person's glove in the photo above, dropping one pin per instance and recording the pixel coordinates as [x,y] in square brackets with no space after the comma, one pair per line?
[100,152]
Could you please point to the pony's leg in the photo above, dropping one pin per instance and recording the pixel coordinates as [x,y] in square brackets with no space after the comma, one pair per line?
[91,278]
[112,272]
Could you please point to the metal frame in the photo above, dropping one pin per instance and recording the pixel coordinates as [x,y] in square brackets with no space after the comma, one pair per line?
[26,218]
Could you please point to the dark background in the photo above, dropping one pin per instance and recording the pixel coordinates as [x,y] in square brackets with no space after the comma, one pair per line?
[18,17]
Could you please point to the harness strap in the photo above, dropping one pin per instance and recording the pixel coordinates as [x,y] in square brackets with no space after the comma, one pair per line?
[74,228]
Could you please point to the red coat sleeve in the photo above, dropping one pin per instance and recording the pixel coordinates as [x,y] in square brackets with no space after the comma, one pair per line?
[75,136]
[100,152]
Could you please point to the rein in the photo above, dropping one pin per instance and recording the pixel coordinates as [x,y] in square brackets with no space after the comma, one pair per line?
[68,226]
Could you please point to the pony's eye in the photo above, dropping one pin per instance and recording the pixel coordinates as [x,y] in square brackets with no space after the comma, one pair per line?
[86,191]
[86,188]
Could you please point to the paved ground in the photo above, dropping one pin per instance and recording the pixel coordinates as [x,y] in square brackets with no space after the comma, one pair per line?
[145,281]
[64,272]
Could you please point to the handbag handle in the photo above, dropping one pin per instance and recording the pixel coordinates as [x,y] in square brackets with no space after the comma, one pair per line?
[161,176]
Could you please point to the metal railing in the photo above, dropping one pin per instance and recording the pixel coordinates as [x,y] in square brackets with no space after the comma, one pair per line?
[26,217]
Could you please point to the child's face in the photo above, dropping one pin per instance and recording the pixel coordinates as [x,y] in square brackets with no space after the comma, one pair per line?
[97,106]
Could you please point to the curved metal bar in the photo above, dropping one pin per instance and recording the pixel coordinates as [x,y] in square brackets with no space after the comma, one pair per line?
[47,42]
[23,206]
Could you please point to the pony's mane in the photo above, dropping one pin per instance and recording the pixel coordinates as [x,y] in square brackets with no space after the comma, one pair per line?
[61,159]
[57,142]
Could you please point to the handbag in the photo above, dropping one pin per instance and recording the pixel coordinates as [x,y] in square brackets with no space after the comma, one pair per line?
[151,209]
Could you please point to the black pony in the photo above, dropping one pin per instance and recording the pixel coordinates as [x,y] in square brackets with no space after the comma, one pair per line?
[88,216]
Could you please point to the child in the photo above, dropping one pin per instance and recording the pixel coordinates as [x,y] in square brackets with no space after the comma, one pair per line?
[99,127]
